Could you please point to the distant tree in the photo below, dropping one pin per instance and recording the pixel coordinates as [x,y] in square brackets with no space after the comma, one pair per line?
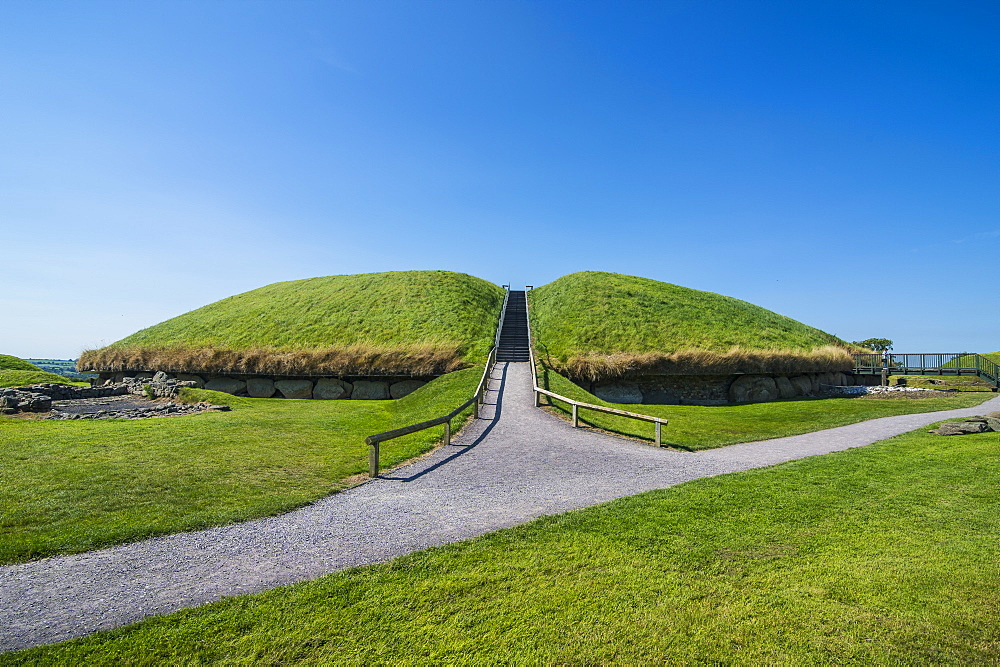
[877,344]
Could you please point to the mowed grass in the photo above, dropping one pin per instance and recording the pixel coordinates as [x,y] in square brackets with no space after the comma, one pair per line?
[69,486]
[10,378]
[698,427]
[389,315]
[943,382]
[607,313]
[16,372]
[11,363]
[880,555]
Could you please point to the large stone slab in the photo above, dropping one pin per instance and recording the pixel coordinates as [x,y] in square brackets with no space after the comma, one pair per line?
[329,389]
[404,387]
[619,392]
[295,388]
[199,381]
[803,385]
[226,385]
[753,389]
[785,387]
[961,428]
[370,390]
[260,387]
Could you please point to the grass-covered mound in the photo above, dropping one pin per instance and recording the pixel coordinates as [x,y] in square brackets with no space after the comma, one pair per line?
[405,323]
[9,363]
[594,325]
[15,372]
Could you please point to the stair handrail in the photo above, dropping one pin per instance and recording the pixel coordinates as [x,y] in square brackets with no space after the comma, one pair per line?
[538,391]
[503,313]
[374,441]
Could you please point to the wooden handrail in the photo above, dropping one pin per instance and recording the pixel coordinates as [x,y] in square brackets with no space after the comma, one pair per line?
[373,441]
[660,422]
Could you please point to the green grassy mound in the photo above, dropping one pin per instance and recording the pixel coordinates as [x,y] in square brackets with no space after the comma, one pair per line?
[24,378]
[9,363]
[595,325]
[405,322]
[881,555]
[15,372]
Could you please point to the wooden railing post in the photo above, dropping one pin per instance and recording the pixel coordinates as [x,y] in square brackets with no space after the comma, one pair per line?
[373,460]
[447,432]
[576,415]
[659,438]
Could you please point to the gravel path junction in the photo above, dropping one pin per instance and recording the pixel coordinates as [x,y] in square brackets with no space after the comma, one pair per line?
[516,465]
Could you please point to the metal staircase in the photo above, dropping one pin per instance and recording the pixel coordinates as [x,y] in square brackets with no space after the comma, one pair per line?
[512,342]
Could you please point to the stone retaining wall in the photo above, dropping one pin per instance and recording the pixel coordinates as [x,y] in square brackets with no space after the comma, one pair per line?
[721,389]
[322,388]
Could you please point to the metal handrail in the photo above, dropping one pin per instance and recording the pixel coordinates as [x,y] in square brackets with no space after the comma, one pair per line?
[932,363]
[503,314]
[373,441]
[538,392]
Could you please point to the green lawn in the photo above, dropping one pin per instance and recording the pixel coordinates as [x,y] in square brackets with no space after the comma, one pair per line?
[703,427]
[943,382]
[19,378]
[68,486]
[880,555]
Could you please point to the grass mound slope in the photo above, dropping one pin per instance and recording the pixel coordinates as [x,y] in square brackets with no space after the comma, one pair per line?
[397,323]
[9,363]
[594,326]
[15,372]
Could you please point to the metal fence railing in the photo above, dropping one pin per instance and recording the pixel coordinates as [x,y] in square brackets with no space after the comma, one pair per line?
[934,363]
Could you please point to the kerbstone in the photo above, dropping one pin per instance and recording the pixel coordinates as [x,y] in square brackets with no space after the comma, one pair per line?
[329,389]
[226,385]
[260,387]
[404,387]
[370,390]
[294,388]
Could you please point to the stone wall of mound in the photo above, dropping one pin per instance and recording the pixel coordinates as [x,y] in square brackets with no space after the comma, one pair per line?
[721,389]
[260,386]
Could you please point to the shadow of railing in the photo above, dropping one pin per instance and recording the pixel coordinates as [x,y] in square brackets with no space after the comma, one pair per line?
[464,448]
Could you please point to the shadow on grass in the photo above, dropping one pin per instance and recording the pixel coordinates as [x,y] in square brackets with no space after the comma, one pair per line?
[462,449]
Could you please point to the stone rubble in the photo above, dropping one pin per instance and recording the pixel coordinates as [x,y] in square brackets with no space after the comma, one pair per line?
[40,397]
[877,389]
[165,410]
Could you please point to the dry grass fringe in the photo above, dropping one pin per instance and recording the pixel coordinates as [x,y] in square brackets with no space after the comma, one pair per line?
[593,366]
[361,359]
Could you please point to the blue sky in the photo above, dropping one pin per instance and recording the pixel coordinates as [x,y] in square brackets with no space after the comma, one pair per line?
[836,162]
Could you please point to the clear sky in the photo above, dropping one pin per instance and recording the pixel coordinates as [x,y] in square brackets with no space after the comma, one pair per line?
[836,162]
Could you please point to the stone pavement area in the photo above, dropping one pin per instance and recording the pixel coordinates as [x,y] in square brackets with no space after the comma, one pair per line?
[515,465]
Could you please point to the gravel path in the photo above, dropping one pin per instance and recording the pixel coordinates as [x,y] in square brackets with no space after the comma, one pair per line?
[499,472]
